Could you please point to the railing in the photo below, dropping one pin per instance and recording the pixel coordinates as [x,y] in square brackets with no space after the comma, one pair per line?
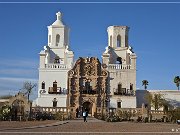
[88,92]
[51,109]
[56,66]
[157,112]
[118,66]
[132,110]
[124,92]
[56,90]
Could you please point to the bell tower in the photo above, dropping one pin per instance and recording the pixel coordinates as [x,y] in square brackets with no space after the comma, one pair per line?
[56,59]
[120,61]
[58,33]
[118,36]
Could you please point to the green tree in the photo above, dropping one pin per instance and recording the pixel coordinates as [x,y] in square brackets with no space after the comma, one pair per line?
[155,100]
[175,114]
[5,112]
[145,83]
[28,88]
[177,81]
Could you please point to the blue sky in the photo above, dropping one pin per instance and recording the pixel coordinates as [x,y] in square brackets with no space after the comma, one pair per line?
[154,34]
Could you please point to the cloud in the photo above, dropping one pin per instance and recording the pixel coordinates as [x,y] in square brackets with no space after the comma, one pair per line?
[19,72]
[22,63]
[10,79]
[11,86]
[14,72]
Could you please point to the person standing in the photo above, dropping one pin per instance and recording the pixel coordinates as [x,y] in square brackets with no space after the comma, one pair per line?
[77,113]
[84,116]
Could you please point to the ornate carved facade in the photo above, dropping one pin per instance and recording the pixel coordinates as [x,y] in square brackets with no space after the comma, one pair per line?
[87,85]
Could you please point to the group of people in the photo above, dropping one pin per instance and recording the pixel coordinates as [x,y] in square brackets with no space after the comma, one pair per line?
[84,114]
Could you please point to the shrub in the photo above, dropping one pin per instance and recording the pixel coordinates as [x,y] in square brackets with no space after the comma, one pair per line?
[59,116]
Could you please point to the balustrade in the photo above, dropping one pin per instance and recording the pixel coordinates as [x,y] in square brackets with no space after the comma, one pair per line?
[118,66]
[57,90]
[56,66]
[50,109]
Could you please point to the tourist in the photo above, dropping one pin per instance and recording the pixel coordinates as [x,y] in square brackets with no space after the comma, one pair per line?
[84,116]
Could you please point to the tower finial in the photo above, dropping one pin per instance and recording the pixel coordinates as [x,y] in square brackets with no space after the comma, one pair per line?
[59,15]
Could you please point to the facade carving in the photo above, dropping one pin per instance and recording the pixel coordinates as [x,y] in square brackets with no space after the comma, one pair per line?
[88,81]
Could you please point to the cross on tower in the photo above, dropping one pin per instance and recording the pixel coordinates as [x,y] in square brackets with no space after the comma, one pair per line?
[59,15]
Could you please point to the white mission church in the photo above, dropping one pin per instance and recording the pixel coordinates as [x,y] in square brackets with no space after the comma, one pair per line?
[87,82]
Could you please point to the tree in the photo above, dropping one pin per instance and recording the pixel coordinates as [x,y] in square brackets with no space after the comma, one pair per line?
[28,88]
[177,81]
[145,83]
[156,100]
[5,112]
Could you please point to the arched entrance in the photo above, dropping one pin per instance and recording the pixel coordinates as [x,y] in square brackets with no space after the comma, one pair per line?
[17,110]
[87,106]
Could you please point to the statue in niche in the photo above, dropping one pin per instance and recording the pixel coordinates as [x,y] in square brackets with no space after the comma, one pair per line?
[88,70]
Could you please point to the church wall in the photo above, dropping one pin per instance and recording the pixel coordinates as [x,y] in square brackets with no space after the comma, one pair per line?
[125,78]
[58,52]
[49,76]
[47,100]
[173,96]
[126,101]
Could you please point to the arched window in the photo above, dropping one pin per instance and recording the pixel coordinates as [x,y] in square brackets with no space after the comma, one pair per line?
[57,39]
[54,102]
[54,87]
[126,41]
[119,60]
[111,41]
[43,85]
[49,38]
[131,86]
[119,104]
[119,88]
[118,41]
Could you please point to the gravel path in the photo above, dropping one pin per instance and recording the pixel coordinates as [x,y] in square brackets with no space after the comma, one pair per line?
[92,127]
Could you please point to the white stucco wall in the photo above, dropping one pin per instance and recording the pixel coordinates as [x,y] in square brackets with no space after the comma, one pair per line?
[126,101]
[47,100]
[173,96]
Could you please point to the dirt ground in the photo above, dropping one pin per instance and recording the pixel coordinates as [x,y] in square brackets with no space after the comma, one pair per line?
[91,127]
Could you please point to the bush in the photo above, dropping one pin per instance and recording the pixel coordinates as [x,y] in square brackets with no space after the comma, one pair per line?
[5,113]
[43,116]
[113,118]
[59,116]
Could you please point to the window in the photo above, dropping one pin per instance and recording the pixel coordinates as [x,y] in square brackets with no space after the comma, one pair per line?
[118,104]
[119,88]
[55,86]
[43,85]
[57,39]
[54,102]
[111,41]
[118,41]
[57,59]
[49,38]
[88,87]
[131,86]
[126,41]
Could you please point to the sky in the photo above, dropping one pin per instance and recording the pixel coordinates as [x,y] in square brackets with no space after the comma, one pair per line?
[154,35]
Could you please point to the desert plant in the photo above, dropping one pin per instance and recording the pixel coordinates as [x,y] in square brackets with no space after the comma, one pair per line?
[177,81]
[145,83]
[59,116]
